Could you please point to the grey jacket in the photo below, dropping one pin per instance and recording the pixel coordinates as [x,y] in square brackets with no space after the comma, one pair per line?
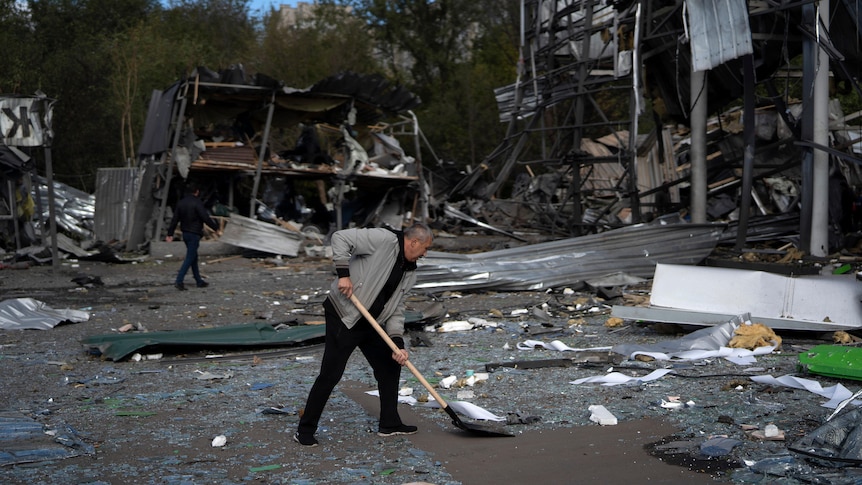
[369,255]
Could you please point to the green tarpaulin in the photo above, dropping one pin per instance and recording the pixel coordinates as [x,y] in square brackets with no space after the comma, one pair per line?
[251,335]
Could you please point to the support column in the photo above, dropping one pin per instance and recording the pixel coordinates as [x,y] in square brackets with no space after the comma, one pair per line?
[820,189]
[697,97]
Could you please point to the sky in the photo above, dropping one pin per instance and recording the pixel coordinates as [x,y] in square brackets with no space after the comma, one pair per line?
[263,5]
[258,6]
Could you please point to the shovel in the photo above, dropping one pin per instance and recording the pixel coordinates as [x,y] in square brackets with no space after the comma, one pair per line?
[475,429]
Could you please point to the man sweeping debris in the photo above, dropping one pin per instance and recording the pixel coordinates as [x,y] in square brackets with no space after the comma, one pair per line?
[378,267]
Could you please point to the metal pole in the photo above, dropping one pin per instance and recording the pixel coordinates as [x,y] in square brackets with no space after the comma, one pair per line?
[635,110]
[820,192]
[423,189]
[808,63]
[13,206]
[49,169]
[748,154]
[261,156]
[697,96]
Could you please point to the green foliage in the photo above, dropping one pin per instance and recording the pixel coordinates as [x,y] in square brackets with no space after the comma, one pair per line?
[17,52]
[222,30]
[452,53]
[328,41]
[102,59]
[72,51]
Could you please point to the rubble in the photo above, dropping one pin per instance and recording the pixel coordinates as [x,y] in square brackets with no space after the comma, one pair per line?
[528,385]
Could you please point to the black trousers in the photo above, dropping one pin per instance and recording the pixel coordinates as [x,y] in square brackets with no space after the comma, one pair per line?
[340,344]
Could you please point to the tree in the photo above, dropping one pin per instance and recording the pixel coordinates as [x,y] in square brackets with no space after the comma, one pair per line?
[144,59]
[329,41]
[71,59]
[452,53]
[16,56]
[101,59]
[222,29]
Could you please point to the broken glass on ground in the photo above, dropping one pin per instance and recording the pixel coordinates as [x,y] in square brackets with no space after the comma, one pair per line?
[24,440]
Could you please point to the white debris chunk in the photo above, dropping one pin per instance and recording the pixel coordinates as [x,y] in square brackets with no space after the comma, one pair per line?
[601,415]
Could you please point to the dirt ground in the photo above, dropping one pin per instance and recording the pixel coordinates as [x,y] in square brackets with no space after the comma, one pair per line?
[154,420]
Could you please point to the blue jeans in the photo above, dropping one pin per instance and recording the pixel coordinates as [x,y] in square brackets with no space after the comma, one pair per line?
[192,242]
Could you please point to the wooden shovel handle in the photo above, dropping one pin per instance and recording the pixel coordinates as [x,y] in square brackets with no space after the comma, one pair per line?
[395,348]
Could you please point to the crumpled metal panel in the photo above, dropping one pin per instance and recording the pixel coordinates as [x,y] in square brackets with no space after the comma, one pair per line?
[838,440]
[633,249]
[14,159]
[25,440]
[246,335]
[73,209]
[27,313]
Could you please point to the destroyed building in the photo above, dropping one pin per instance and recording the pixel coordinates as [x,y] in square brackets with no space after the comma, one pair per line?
[315,159]
[602,133]
[623,111]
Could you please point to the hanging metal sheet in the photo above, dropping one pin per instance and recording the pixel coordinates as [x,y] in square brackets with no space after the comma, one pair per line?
[25,121]
[719,32]
[116,189]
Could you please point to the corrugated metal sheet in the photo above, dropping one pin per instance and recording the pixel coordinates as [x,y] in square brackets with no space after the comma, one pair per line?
[116,189]
[634,250]
[719,32]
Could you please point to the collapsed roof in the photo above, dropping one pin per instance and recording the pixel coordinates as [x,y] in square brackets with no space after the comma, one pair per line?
[231,94]
[224,126]
[588,67]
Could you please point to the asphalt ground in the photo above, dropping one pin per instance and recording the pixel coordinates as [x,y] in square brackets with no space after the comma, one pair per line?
[154,421]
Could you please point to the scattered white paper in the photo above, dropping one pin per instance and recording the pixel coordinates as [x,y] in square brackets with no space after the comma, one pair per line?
[401,399]
[481,322]
[447,382]
[555,345]
[617,378]
[836,394]
[455,326]
[737,356]
[206,375]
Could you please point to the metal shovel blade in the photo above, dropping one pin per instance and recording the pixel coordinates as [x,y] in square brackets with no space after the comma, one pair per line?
[470,428]
[477,429]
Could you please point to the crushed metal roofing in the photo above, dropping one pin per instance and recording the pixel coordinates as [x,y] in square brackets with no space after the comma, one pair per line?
[118,346]
[14,161]
[25,440]
[835,441]
[28,313]
[633,249]
[372,96]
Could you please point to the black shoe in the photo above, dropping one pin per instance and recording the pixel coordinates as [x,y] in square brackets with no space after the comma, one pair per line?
[203,284]
[180,286]
[403,429]
[305,440]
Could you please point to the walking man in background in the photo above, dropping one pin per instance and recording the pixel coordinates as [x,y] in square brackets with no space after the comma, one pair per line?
[191,215]
[378,265]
